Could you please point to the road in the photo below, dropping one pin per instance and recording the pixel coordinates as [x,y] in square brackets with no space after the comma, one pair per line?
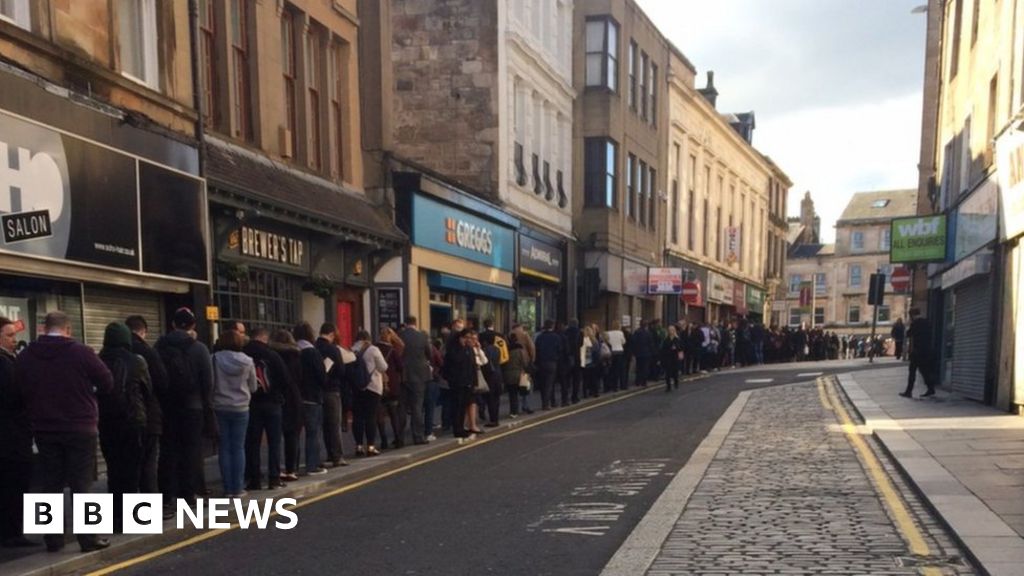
[559,498]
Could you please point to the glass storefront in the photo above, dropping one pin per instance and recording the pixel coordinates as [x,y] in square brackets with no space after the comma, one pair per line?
[447,307]
[29,300]
[258,297]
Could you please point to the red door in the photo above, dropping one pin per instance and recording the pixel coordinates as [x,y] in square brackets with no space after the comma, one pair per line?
[344,309]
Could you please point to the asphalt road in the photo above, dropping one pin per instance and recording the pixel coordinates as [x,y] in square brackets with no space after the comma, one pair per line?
[559,498]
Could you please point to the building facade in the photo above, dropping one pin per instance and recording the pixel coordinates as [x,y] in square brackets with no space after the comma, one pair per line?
[839,274]
[620,67]
[970,179]
[721,194]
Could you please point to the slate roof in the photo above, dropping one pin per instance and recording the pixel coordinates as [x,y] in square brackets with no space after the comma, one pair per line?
[309,198]
[806,250]
[860,209]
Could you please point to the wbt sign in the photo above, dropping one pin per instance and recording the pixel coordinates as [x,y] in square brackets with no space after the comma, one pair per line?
[919,239]
[143,514]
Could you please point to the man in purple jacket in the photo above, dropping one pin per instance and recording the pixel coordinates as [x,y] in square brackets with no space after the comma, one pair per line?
[60,379]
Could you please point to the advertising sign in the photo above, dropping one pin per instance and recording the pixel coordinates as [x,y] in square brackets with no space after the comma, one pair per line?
[1010,167]
[918,239]
[540,259]
[121,211]
[732,245]
[739,297]
[720,289]
[447,229]
[634,278]
[389,307]
[664,280]
[977,220]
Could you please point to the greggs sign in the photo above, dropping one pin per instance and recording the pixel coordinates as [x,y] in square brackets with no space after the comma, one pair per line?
[469,236]
[444,228]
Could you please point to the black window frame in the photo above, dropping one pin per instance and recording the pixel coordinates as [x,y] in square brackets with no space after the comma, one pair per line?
[600,186]
[609,55]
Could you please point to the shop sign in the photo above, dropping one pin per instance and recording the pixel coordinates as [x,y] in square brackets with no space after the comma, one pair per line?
[121,211]
[977,220]
[1010,168]
[539,259]
[16,310]
[389,307]
[918,239]
[720,289]
[692,293]
[277,248]
[437,226]
[755,299]
[634,278]
[732,245]
[739,297]
[664,280]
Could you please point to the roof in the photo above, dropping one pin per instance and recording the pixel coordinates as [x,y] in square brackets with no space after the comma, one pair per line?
[306,197]
[879,205]
[827,250]
[794,233]
[806,250]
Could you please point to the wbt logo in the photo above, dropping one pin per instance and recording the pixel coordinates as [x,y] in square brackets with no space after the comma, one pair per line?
[142,514]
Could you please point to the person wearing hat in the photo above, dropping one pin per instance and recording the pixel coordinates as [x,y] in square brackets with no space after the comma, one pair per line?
[122,423]
[189,386]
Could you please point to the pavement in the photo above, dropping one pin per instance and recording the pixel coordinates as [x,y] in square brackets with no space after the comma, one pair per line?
[966,460]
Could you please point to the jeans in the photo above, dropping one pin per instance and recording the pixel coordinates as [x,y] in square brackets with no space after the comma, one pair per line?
[617,379]
[264,418]
[66,459]
[414,392]
[231,427]
[759,352]
[430,406]
[313,413]
[332,425]
[364,417]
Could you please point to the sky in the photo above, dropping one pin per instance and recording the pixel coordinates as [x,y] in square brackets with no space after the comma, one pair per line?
[835,86]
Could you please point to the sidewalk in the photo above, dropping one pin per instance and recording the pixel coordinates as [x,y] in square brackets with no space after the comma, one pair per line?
[965,459]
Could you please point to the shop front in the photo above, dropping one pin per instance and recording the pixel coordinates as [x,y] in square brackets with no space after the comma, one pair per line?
[540,295]
[100,219]
[1010,170]
[690,303]
[461,262]
[721,298]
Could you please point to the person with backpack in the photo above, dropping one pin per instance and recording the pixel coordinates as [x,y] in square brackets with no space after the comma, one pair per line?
[292,416]
[335,369]
[60,379]
[234,382]
[189,384]
[368,382]
[154,416]
[122,423]
[314,379]
[265,410]
[416,357]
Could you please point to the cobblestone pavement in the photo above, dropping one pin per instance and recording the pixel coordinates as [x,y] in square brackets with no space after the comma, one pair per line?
[787,494]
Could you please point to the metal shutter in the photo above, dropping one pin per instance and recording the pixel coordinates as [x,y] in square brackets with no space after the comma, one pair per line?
[105,305]
[971,330]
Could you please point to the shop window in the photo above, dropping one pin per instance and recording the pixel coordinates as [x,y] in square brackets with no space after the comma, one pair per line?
[794,316]
[257,297]
[27,301]
[819,316]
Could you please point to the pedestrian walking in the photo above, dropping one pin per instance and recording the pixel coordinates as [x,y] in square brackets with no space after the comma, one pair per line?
[672,353]
[921,355]
[292,416]
[265,411]
[367,400]
[60,379]
[642,347]
[15,446]
[416,357]
[314,380]
[154,414]
[898,333]
[234,381]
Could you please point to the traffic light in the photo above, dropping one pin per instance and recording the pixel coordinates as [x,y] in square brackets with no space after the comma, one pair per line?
[876,292]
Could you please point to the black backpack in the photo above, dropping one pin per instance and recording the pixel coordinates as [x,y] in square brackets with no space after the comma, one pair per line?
[126,401]
[357,373]
[181,379]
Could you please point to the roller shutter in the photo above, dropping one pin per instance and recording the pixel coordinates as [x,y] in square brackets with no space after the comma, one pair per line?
[972,328]
[104,305]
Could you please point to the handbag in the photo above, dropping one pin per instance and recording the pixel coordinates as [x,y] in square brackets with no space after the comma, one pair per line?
[525,382]
[481,383]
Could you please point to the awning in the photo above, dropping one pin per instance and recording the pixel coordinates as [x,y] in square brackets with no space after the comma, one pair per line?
[238,176]
[441,281]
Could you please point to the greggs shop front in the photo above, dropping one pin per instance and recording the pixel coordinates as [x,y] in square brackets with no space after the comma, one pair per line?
[461,260]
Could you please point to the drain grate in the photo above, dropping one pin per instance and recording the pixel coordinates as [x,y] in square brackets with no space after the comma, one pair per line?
[920,561]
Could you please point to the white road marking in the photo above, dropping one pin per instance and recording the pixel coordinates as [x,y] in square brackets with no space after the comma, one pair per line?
[759,380]
[809,374]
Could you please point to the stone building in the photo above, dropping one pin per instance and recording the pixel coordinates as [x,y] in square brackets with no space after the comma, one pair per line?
[721,193]
[972,159]
[477,98]
[840,273]
[620,72]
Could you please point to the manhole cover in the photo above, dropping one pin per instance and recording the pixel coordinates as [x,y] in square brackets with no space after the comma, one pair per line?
[918,561]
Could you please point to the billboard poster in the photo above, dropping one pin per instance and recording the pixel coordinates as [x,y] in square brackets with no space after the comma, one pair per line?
[732,245]
[918,239]
[664,280]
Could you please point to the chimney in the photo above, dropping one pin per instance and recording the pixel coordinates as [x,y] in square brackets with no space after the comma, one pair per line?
[708,92]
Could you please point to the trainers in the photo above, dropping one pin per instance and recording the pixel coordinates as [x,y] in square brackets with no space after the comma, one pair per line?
[431,438]
[289,477]
[340,462]
[317,471]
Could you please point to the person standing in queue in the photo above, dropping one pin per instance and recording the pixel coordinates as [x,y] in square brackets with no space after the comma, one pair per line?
[16,446]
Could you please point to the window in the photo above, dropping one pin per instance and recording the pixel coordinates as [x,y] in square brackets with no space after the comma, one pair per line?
[653,92]
[643,85]
[631,64]
[137,41]
[600,159]
[640,191]
[853,314]
[974,21]
[691,182]
[520,165]
[706,216]
[819,316]
[720,248]
[18,12]
[794,283]
[519,125]
[602,53]
[819,283]
[336,77]
[650,198]
[886,239]
[242,110]
[993,88]
[549,190]
[954,53]
[631,187]
[857,241]
[563,199]
[208,63]
[313,47]
[794,316]
[674,212]
[884,314]
[535,164]
[855,276]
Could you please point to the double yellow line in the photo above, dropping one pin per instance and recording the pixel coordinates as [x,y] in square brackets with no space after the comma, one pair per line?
[892,499]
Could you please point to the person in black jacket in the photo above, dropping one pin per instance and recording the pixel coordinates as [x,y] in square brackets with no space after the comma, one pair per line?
[265,411]
[292,416]
[573,381]
[550,349]
[460,371]
[327,348]
[641,345]
[154,415]
[314,379]
[921,355]
[15,444]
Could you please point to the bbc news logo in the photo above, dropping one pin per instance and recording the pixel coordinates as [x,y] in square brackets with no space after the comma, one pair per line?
[143,514]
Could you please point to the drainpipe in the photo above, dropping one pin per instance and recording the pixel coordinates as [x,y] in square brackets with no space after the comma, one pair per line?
[200,297]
